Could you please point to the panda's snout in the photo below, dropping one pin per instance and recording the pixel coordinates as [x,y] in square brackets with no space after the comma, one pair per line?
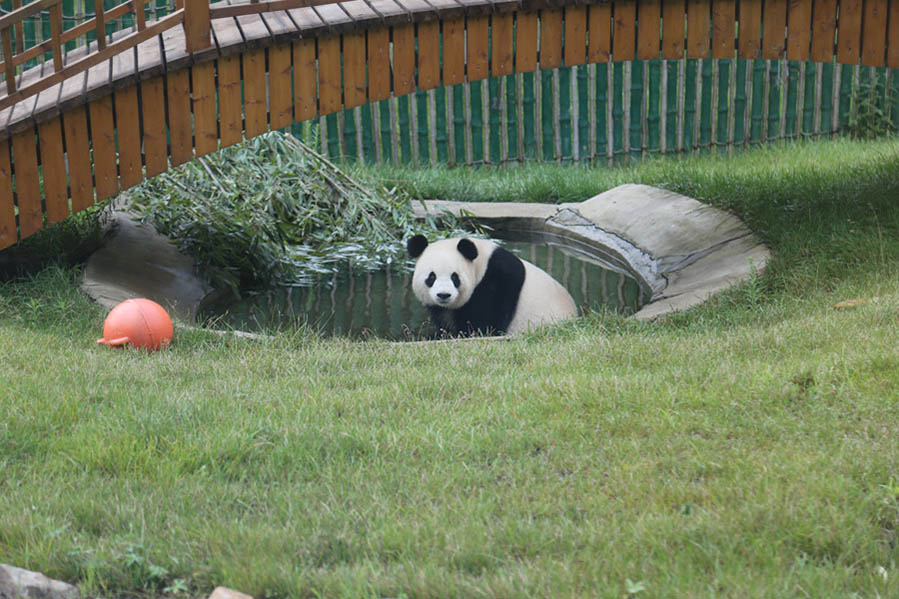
[443,297]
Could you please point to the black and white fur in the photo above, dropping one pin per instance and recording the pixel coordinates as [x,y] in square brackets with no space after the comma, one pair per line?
[473,286]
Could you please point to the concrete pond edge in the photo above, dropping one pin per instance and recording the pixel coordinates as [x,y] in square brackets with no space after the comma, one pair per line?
[681,251]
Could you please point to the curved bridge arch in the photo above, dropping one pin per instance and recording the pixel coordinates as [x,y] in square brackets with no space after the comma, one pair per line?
[200,79]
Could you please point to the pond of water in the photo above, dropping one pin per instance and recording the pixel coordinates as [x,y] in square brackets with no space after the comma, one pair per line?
[369,304]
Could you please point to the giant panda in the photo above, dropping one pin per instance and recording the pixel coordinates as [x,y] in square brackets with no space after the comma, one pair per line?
[473,286]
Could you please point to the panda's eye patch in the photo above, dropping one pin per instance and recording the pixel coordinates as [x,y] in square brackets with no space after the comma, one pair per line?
[456,280]
[430,280]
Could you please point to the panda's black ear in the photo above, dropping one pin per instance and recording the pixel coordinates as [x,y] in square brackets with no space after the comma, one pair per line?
[416,245]
[467,249]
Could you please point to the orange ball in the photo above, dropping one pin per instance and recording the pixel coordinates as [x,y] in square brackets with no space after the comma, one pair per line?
[139,323]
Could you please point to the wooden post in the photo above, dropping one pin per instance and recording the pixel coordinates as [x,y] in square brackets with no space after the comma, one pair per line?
[10,67]
[197,31]
[100,20]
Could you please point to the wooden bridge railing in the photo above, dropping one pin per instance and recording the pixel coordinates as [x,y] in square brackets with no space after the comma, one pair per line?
[67,141]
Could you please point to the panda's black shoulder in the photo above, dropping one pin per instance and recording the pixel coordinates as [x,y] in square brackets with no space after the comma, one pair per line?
[505,267]
[494,301]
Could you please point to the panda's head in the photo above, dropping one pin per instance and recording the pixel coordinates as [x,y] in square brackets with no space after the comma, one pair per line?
[445,271]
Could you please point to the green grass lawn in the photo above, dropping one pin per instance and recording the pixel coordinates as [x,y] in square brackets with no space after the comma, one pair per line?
[746,448]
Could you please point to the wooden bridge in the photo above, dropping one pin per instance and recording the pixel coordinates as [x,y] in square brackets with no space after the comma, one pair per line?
[81,125]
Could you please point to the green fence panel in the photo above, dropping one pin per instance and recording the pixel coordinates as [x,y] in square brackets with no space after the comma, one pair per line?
[810,88]
[691,103]
[350,145]
[894,96]
[637,113]
[705,105]
[440,124]
[404,118]
[827,88]
[582,85]
[564,122]
[511,124]
[653,118]
[331,135]
[422,116]
[756,117]
[385,132]
[672,73]
[369,152]
[495,120]
[772,128]
[722,110]
[529,111]
[547,129]
[459,128]
[846,74]
[617,108]
[740,107]
[601,100]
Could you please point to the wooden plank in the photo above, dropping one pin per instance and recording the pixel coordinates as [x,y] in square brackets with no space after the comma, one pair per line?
[227,35]
[428,55]
[361,13]
[329,87]
[230,101]
[849,32]
[53,170]
[502,48]
[255,33]
[28,185]
[156,152]
[649,15]
[824,29]
[478,48]
[334,17]
[550,39]
[599,47]
[255,93]
[103,143]
[127,118]
[874,41]
[674,18]
[8,235]
[280,94]
[448,9]
[47,102]
[308,23]
[774,29]
[575,35]
[354,92]
[453,51]
[799,34]
[390,12]
[204,108]
[149,58]
[418,10]
[403,59]
[750,35]
[304,79]
[378,64]
[78,157]
[893,36]
[623,30]
[698,28]
[180,128]
[724,17]
[279,24]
